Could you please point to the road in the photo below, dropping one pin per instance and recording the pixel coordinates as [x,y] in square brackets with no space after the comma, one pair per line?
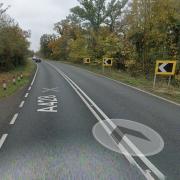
[50,137]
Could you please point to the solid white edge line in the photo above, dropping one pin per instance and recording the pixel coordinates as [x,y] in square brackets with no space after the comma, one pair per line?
[14,119]
[22,104]
[27,94]
[132,87]
[2,140]
[147,162]
[37,68]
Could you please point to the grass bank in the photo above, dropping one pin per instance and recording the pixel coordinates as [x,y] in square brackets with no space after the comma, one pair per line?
[26,71]
[161,89]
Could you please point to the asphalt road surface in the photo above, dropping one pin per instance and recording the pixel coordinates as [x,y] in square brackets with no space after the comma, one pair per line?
[50,137]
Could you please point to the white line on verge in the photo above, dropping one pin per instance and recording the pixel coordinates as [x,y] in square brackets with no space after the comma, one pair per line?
[2,140]
[29,88]
[27,94]
[14,119]
[22,104]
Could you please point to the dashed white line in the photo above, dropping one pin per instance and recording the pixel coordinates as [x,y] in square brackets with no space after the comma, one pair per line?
[22,104]
[2,140]
[27,94]
[29,88]
[14,119]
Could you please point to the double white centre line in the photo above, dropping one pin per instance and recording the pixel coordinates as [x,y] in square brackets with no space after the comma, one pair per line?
[97,112]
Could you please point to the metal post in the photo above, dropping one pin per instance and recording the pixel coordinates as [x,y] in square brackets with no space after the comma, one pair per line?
[14,80]
[4,85]
[154,84]
[169,81]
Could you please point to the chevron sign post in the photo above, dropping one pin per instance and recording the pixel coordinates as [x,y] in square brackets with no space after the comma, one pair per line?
[166,68]
[107,62]
[87,61]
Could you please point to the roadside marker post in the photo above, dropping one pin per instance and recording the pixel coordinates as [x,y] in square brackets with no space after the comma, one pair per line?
[107,62]
[164,68]
[19,78]
[21,75]
[14,80]
[4,85]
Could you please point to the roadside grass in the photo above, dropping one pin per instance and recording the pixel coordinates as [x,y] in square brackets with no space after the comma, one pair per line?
[26,70]
[161,89]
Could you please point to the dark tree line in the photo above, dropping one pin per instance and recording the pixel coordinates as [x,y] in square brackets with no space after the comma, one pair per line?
[13,42]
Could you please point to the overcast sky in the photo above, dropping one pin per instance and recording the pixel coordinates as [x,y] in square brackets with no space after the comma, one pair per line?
[38,15]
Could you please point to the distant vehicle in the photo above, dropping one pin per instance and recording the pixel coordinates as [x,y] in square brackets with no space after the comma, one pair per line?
[34,58]
[38,60]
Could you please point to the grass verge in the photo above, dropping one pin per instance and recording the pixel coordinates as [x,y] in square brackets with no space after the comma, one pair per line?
[26,70]
[171,93]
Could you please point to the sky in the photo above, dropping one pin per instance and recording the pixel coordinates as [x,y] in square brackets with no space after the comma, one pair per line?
[38,16]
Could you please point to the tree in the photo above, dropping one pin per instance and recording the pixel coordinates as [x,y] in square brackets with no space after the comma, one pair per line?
[114,12]
[93,11]
[13,42]
[44,44]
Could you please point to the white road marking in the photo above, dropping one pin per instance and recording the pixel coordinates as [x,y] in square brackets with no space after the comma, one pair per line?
[47,103]
[130,144]
[22,104]
[14,119]
[27,94]
[29,88]
[2,140]
[162,66]
[45,90]
[35,75]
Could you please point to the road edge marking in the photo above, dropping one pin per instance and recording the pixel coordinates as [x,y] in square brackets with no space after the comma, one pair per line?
[22,104]
[130,86]
[37,68]
[2,140]
[14,119]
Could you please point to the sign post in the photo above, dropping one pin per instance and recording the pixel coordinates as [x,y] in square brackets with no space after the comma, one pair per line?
[165,68]
[107,62]
[87,61]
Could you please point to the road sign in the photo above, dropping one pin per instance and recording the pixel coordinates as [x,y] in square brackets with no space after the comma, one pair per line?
[87,60]
[165,67]
[108,62]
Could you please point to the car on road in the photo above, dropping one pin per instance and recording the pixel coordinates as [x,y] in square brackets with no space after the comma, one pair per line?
[34,58]
[38,60]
